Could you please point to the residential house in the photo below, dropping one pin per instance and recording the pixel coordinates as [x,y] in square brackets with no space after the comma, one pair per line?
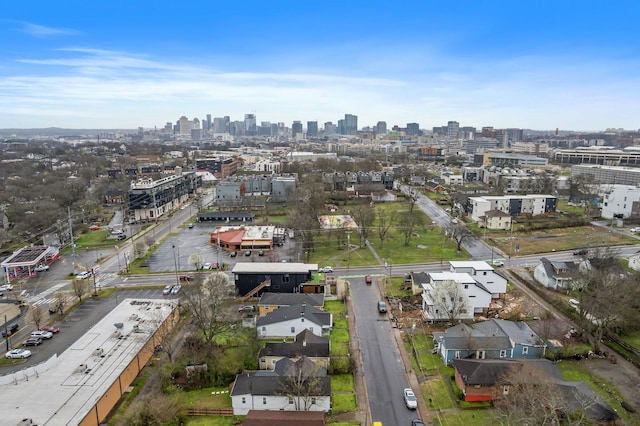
[289,321]
[292,386]
[495,219]
[488,380]
[269,301]
[492,339]
[634,261]
[285,277]
[306,344]
[283,418]
[557,274]
[477,296]
[484,273]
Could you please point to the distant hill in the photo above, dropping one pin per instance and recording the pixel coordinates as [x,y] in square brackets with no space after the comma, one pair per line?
[58,131]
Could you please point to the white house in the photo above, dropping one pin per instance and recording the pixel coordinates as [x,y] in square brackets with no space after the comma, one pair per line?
[557,275]
[289,321]
[484,274]
[291,386]
[478,297]
[634,261]
[620,201]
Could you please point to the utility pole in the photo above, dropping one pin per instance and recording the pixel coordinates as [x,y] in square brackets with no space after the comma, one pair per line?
[175,262]
[73,243]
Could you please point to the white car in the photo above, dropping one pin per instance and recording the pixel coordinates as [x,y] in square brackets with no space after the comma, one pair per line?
[326,269]
[634,230]
[41,268]
[206,266]
[167,290]
[498,263]
[410,399]
[18,354]
[42,334]
[176,289]
[6,287]
[83,275]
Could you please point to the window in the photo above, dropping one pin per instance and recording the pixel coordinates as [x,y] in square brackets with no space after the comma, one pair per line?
[310,329]
[285,278]
[290,400]
[313,401]
[301,319]
[525,350]
[503,354]
[505,390]
[293,329]
[244,400]
[457,355]
[263,360]
[264,329]
[264,400]
[466,286]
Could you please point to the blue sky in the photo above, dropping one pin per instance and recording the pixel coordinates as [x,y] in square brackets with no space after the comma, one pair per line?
[574,65]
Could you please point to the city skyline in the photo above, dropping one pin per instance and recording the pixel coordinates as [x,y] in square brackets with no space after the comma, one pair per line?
[540,66]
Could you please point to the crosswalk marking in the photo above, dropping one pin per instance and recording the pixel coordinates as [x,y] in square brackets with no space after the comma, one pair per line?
[48,301]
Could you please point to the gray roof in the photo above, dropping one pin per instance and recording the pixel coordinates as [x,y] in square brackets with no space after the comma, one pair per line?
[483,372]
[302,366]
[288,299]
[517,331]
[274,268]
[268,383]
[551,268]
[420,278]
[296,311]
[306,344]
[464,337]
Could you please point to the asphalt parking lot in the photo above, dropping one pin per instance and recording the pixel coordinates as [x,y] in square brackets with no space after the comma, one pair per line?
[176,250]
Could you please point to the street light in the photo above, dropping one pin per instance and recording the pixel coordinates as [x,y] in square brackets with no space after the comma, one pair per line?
[175,262]
[348,249]
[118,256]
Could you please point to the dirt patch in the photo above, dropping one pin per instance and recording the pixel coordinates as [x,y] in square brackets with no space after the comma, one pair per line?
[626,379]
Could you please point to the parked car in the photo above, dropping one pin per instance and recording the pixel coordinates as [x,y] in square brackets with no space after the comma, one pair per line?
[191,226]
[83,275]
[247,253]
[51,329]
[580,252]
[417,422]
[382,307]
[18,354]
[6,287]
[634,230]
[42,334]
[233,253]
[10,329]
[186,277]
[176,288]
[32,341]
[206,266]
[121,237]
[498,263]
[167,290]
[41,268]
[326,269]
[247,308]
[368,279]
[261,253]
[410,399]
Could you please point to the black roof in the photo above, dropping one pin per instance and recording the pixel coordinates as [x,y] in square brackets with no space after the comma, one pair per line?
[288,299]
[306,344]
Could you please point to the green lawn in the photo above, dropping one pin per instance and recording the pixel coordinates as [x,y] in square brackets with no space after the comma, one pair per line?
[203,398]
[342,383]
[213,421]
[343,402]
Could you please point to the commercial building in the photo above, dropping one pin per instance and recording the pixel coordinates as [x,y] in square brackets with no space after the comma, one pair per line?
[149,199]
[601,155]
[220,167]
[85,382]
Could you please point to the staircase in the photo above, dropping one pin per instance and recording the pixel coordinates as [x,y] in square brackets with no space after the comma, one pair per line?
[263,284]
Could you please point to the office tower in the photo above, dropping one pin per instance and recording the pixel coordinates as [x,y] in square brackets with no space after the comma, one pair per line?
[312,129]
[453,129]
[350,124]
[264,129]
[381,128]
[296,128]
[250,128]
[168,127]
[341,127]
[184,126]
[208,125]
[413,129]
[329,128]
[219,125]
[274,129]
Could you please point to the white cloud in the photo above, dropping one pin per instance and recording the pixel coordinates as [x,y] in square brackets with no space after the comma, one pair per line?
[42,31]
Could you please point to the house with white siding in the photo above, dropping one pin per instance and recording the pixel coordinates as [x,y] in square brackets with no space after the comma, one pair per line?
[477,296]
[484,273]
[288,321]
[292,386]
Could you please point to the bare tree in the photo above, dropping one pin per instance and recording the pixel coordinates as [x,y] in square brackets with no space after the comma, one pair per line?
[408,222]
[384,225]
[205,303]
[139,249]
[450,300]
[460,233]
[36,313]
[161,328]
[197,260]
[80,288]
[364,215]
[304,383]
[59,302]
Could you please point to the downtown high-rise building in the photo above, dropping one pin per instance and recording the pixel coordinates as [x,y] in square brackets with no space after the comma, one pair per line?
[220,125]
[296,128]
[312,129]
[453,129]
[250,128]
[381,128]
[330,129]
[350,124]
